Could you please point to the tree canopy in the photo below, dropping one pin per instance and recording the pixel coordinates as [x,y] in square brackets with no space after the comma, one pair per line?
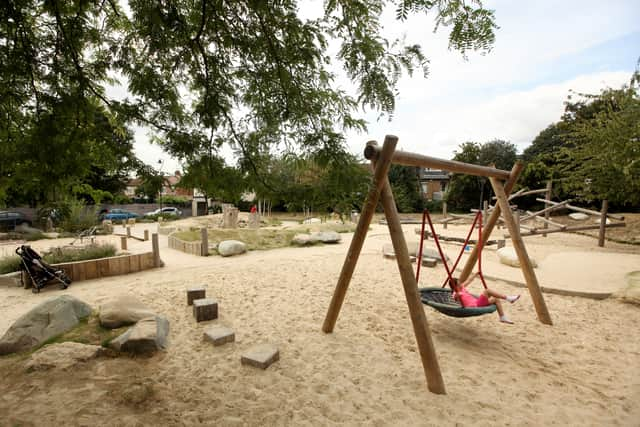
[200,74]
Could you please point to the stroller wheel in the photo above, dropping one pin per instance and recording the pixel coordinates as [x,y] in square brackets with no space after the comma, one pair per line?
[35,290]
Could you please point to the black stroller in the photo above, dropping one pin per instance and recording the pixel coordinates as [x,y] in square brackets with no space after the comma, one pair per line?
[39,271]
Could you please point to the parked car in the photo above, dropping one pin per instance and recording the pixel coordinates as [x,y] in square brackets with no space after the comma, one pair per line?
[10,220]
[119,214]
[169,210]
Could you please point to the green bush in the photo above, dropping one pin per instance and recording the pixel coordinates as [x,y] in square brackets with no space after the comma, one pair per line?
[80,217]
[10,264]
[80,253]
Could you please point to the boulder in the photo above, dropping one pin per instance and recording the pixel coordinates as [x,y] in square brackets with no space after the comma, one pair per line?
[508,256]
[302,240]
[147,336]
[49,319]
[231,247]
[62,356]
[326,236]
[578,216]
[123,310]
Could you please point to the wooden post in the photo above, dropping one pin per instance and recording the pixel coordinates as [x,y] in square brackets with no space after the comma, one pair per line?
[379,176]
[204,238]
[155,247]
[128,231]
[485,209]
[435,383]
[516,219]
[146,235]
[123,243]
[547,214]
[521,251]
[444,214]
[491,222]
[603,222]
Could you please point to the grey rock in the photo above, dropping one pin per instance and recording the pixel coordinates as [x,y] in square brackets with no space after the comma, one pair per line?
[231,247]
[123,310]
[62,356]
[261,356]
[49,319]
[508,256]
[147,336]
[578,216]
[326,236]
[219,335]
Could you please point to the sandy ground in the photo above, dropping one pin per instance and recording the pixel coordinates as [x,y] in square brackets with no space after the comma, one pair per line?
[584,370]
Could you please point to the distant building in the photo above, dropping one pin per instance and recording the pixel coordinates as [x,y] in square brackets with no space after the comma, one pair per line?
[433,183]
[169,188]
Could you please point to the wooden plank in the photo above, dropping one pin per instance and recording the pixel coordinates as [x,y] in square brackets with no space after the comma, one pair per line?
[91,269]
[546,210]
[435,383]
[379,176]
[548,222]
[569,229]
[583,210]
[372,152]
[523,257]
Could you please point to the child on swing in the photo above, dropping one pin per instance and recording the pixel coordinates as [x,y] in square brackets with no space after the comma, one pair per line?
[487,297]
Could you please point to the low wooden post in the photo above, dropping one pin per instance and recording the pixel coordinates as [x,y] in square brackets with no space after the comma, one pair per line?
[128,231]
[146,235]
[603,222]
[204,239]
[379,175]
[123,243]
[485,210]
[547,214]
[155,248]
[435,383]
[521,251]
[444,214]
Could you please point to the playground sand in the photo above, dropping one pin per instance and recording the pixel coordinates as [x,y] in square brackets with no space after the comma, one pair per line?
[584,370]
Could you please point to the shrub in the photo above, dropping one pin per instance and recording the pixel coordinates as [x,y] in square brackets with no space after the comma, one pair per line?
[80,253]
[80,217]
[10,264]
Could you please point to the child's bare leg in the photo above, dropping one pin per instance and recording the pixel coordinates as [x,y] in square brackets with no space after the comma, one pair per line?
[498,304]
[496,294]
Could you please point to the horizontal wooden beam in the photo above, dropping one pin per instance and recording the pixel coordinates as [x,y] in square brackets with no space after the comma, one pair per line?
[545,210]
[583,210]
[406,158]
[569,229]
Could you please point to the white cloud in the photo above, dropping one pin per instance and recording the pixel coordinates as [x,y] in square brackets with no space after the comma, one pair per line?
[516,116]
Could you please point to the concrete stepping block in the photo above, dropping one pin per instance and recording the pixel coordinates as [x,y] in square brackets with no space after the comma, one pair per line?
[195,293]
[205,309]
[429,262]
[219,335]
[261,356]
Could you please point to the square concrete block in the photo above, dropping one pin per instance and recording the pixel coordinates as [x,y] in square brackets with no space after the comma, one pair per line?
[205,309]
[219,335]
[195,293]
[261,356]
[429,262]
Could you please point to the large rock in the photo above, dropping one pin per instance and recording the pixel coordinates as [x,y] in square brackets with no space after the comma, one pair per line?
[231,247]
[123,310]
[326,236]
[147,336]
[62,356]
[508,256]
[43,322]
[302,240]
[578,216]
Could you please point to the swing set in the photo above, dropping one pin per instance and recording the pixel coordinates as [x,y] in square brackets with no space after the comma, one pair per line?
[380,190]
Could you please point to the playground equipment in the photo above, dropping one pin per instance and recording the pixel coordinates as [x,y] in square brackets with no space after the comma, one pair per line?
[502,183]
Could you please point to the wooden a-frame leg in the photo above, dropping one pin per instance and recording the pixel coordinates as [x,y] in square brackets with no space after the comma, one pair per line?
[379,178]
[491,222]
[435,383]
[521,251]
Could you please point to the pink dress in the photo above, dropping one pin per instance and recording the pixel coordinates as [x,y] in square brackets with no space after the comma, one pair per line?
[468,300]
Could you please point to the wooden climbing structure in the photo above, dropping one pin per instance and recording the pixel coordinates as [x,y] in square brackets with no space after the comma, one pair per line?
[502,182]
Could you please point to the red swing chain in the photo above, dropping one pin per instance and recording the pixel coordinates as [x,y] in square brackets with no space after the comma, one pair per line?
[478,219]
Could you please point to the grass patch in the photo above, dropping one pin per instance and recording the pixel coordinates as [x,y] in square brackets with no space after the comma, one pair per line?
[88,331]
[189,236]
[10,264]
[71,254]
[254,239]
[59,255]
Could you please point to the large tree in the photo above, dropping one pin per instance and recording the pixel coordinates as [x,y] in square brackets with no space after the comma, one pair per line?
[251,73]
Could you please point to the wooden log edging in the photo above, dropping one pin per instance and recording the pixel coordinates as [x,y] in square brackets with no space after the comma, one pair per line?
[192,248]
[105,267]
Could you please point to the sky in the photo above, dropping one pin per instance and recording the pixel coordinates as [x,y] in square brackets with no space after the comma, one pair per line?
[543,50]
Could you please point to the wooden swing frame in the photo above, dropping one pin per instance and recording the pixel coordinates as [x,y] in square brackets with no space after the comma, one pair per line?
[381,159]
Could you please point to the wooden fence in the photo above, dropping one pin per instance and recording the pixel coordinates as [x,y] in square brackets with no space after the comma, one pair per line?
[197,248]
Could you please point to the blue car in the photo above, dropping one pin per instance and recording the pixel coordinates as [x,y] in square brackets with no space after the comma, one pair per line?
[118,214]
